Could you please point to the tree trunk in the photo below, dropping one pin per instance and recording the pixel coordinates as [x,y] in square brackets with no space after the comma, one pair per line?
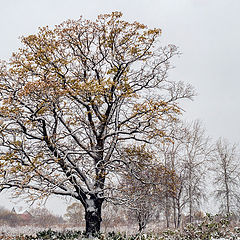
[93,216]
[179,216]
[142,217]
[226,175]
[167,211]
[190,195]
[174,213]
[141,226]
[190,211]
[178,207]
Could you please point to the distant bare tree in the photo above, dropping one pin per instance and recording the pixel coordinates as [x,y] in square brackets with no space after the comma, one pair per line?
[44,218]
[112,216]
[75,214]
[197,153]
[171,154]
[186,155]
[226,180]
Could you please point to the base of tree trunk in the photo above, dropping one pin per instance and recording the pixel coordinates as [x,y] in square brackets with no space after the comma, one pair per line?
[92,226]
[93,218]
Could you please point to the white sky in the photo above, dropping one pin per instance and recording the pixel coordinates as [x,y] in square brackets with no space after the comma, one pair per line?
[207,33]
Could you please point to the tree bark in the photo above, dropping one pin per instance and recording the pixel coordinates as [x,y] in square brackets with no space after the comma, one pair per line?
[143,217]
[167,211]
[226,177]
[179,215]
[174,213]
[93,216]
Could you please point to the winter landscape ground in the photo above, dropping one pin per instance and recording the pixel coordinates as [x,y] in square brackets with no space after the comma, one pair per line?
[211,227]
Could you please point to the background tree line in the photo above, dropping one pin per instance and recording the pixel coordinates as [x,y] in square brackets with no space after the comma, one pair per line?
[193,172]
[39,217]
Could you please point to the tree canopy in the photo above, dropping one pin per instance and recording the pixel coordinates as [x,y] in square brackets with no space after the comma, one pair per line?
[73,96]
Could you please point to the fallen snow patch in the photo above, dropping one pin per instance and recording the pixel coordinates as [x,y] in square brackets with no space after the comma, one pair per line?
[90,204]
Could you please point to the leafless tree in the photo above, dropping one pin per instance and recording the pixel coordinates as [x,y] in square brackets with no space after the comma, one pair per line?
[170,152]
[75,214]
[197,154]
[187,155]
[226,176]
[44,218]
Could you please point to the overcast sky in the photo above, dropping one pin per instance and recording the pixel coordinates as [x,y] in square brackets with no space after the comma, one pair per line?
[207,33]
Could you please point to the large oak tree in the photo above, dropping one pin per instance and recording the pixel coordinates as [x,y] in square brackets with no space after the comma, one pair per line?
[71,96]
